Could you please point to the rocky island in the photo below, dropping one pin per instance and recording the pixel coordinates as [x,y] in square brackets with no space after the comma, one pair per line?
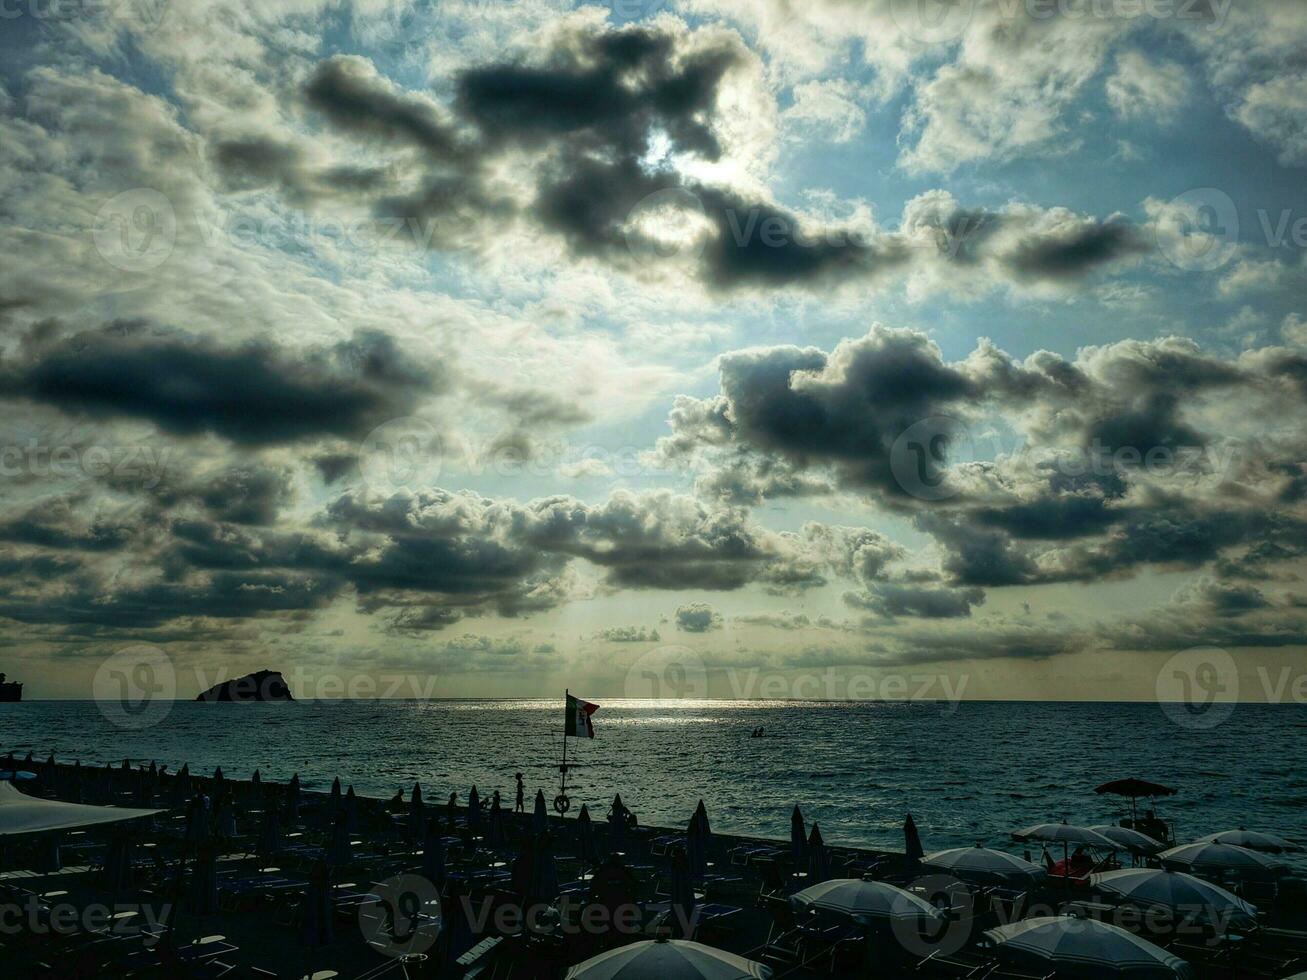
[262,685]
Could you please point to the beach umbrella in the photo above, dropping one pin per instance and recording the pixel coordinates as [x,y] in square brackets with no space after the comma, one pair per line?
[269,842]
[73,790]
[540,816]
[667,959]
[224,815]
[681,892]
[451,813]
[1086,947]
[696,854]
[617,826]
[474,813]
[181,786]
[912,840]
[256,784]
[1252,840]
[116,875]
[544,872]
[315,909]
[1130,840]
[333,801]
[417,816]
[1206,858]
[1174,891]
[798,838]
[351,810]
[293,798]
[1064,833]
[145,791]
[197,822]
[983,864]
[585,837]
[339,850]
[217,779]
[433,856]
[202,892]
[855,897]
[49,859]
[496,839]
[818,861]
[1134,789]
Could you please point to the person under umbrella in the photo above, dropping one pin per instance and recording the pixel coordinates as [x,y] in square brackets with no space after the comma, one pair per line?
[339,849]
[540,815]
[818,861]
[798,839]
[496,839]
[433,856]
[585,838]
[417,816]
[912,841]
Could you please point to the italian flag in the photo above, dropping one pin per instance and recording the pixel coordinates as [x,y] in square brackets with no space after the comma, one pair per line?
[579,724]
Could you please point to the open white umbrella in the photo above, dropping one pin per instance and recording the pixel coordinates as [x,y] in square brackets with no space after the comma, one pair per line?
[1087,947]
[1176,892]
[1065,833]
[854,897]
[1206,857]
[667,959]
[1130,840]
[1253,840]
[986,864]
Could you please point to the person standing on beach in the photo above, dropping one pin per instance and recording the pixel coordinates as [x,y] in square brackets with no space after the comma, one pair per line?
[520,805]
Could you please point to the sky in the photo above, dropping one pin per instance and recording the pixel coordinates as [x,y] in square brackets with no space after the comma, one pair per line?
[731,348]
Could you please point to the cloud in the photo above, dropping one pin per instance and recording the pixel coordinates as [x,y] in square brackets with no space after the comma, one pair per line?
[629,634]
[697,617]
[1140,88]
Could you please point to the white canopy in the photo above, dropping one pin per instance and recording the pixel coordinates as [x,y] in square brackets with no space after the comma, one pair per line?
[1067,834]
[1176,891]
[983,862]
[23,814]
[1206,857]
[870,899]
[1088,944]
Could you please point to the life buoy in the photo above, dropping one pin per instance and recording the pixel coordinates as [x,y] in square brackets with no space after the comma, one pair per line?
[562,804]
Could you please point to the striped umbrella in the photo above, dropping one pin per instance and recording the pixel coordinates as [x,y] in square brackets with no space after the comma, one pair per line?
[1087,947]
[1130,840]
[857,898]
[1252,840]
[983,864]
[1176,892]
[1206,858]
[667,959]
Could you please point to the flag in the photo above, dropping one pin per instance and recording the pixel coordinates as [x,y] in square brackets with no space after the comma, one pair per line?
[579,724]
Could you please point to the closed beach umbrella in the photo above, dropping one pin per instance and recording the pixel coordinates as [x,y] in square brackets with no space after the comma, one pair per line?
[224,816]
[696,855]
[433,855]
[818,861]
[1130,840]
[798,838]
[293,798]
[197,822]
[1086,947]
[451,813]
[912,840]
[217,779]
[544,872]
[315,910]
[681,892]
[1252,840]
[701,815]
[983,864]
[181,786]
[256,785]
[1208,858]
[339,850]
[1175,891]
[73,790]
[585,837]
[145,791]
[117,872]
[617,826]
[474,813]
[865,899]
[333,800]
[417,813]
[351,808]
[540,815]
[202,893]
[667,959]
[269,842]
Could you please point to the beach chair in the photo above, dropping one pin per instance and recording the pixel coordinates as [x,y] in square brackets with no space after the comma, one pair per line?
[961,963]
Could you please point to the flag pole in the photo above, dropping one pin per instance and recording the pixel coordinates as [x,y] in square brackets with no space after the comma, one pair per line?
[562,790]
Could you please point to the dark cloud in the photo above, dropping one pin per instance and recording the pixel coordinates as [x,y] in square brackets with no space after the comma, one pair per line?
[891,600]
[697,617]
[254,394]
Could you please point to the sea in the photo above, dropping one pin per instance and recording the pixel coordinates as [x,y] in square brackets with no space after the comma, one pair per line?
[968,772]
